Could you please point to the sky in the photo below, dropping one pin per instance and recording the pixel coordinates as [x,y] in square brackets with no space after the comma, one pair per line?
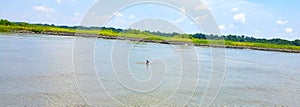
[258,18]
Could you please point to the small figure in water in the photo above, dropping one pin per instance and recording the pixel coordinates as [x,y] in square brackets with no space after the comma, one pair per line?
[147,62]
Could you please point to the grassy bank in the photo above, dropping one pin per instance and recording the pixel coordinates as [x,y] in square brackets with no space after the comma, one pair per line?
[147,36]
[126,34]
[245,44]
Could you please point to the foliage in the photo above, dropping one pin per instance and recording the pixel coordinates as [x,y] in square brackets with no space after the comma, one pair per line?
[246,39]
[6,22]
[198,38]
[108,32]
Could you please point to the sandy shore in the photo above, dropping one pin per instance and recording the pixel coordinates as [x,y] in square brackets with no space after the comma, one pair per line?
[162,42]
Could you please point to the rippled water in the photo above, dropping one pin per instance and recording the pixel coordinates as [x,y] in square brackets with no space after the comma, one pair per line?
[37,70]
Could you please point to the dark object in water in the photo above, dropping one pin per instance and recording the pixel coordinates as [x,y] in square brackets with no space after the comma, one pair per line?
[147,62]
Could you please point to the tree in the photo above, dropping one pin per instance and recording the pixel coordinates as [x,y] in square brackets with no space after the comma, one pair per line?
[296,42]
[23,24]
[6,22]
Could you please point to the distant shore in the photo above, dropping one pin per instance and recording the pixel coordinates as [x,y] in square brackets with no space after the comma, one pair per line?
[155,41]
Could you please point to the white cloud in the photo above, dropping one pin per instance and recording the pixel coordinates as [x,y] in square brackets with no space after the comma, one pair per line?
[234,9]
[118,14]
[200,7]
[131,17]
[182,10]
[289,30]
[58,1]
[201,18]
[222,27]
[182,15]
[282,22]
[44,9]
[241,17]
[226,27]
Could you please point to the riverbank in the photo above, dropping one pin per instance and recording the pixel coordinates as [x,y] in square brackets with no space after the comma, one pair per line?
[207,43]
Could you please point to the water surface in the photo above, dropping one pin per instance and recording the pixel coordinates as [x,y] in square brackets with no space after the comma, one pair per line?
[37,70]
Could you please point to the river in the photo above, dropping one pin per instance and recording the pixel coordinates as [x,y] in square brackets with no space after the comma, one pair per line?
[47,70]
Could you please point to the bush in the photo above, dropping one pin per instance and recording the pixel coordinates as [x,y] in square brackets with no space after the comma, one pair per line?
[200,41]
[38,30]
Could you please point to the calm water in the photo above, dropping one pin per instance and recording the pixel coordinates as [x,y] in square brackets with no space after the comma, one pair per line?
[43,70]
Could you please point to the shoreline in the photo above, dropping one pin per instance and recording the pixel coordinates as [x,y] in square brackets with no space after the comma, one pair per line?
[155,41]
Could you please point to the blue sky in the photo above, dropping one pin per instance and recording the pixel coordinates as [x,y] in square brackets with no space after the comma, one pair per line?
[258,18]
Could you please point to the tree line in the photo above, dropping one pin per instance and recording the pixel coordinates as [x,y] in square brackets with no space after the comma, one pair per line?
[230,37]
[243,38]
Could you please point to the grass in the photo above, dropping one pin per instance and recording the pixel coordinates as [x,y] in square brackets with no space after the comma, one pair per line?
[36,29]
[146,36]
[262,45]
[244,44]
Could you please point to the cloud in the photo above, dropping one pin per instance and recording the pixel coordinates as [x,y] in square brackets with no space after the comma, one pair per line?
[200,7]
[282,22]
[222,27]
[201,18]
[289,30]
[131,17]
[58,1]
[234,9]
[241,17]
[44,9]
[182,16]
[182,10]
[118,14]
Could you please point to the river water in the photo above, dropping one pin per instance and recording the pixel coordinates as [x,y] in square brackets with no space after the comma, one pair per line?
[46,70]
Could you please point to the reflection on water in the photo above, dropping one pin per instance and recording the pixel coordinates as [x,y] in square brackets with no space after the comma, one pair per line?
[36,70]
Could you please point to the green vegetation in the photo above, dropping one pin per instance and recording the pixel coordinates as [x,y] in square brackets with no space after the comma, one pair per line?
[246,39]
[197,39]
[262,45]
